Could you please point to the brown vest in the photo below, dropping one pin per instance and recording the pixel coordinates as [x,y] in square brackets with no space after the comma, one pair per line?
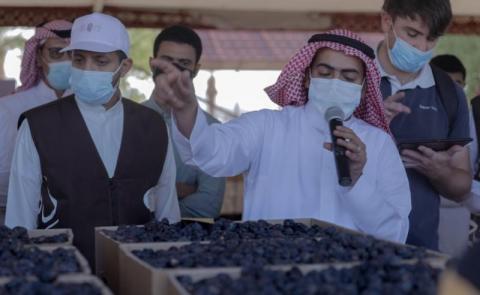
[74,175]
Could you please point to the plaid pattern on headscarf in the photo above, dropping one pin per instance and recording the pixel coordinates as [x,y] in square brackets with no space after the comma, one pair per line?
[30,72]
[290,89]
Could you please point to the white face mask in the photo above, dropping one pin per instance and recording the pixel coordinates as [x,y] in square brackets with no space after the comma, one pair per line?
[326,93]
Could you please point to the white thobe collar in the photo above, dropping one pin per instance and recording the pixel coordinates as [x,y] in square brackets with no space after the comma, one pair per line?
[98,109]
[318,122]
[315,119]
[42,89]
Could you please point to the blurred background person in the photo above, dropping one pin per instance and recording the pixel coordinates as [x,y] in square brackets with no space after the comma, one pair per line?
[45,77]
[199,194]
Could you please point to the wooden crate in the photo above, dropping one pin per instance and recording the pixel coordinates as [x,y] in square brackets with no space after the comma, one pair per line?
[75,278]
[139,277]
[35,233]
[174,287]
[107,254]
[82,262]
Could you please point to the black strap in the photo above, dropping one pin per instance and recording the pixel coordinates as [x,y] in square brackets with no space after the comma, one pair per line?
[475,102]
[64,34]
[367,50]
[448,95]
[41,24]
[20,120]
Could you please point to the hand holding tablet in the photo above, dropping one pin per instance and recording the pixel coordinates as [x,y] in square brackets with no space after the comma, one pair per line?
[434,144]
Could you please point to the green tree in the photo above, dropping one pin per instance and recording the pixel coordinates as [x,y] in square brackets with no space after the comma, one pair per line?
[130,92]
[467,48]
[7,43]
[141,48]
[141,41]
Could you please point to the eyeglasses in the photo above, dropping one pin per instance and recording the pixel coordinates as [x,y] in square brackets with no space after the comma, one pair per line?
[54,53]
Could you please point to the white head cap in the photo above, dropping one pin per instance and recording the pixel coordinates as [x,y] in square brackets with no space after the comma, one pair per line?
[99,32]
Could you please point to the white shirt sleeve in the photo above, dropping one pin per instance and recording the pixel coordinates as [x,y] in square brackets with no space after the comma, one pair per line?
[7,138]
[473,200]
[380,204]
[221,150]
[24,190]
[162,198]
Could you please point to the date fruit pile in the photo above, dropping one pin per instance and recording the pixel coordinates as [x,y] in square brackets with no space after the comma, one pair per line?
[369,278]
[21,234]
[24,287]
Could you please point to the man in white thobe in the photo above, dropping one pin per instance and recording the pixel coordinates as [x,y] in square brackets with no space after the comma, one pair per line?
[285,156]
[44,75]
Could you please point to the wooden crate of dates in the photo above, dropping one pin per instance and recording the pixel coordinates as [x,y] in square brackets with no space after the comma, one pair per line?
[43,262]
[60,236]
[108,240]
[56,236]
[107,247]
[348,278]
[137,276]
[84,267]
[66,284]
[144,267]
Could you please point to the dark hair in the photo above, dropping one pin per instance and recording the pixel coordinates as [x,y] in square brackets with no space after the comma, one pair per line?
[436,14]
[179,34]
[121,55]
[450,64]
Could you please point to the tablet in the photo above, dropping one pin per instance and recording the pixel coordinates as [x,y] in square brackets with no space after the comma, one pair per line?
[434,144]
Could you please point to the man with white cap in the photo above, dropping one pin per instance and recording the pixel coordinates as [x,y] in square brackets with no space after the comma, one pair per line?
[44,74]
[93,158]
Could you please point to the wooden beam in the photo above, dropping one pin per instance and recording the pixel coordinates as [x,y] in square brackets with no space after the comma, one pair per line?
[218,19]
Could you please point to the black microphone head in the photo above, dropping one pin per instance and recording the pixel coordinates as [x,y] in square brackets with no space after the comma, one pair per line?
[334,113]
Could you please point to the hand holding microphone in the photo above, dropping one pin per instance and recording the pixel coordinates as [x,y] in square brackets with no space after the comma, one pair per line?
[349,151]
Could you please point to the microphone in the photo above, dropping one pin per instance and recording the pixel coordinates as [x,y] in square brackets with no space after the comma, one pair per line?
[335,117]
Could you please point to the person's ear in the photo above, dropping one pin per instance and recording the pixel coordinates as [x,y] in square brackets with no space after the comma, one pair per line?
[150,63]
[127,65]
[124,69]
[386,21]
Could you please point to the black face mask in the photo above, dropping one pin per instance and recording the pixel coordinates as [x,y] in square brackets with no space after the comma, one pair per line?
[157,71]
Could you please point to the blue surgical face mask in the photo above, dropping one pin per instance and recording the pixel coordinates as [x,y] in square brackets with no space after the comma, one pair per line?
[326,93]
[59,74]
[407,58]
[93,87]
